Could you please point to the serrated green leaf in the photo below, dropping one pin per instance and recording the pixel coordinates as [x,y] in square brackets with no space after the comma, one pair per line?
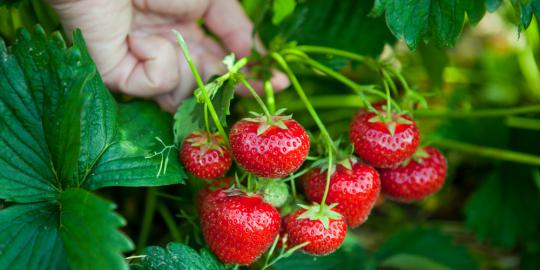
[25,174]
[78,231]
[126,162]
[514,204]
[177,256]
[189,116]
[428,243]
[345,25]
[187,119]
[282,9]
[88,229]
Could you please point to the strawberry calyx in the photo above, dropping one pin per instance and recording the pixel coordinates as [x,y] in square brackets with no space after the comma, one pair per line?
[322,213]
[391,122]
[207,143]
[267,121]
[419,156]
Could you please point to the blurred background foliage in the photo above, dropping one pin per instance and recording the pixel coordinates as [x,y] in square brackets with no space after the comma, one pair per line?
[488,214]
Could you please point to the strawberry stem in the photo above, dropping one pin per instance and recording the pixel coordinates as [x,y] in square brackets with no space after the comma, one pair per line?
[300,91]
[489,152]
[293,189]
[357,88]
[257,97]
[269,93]
[328,139]
[200,83]
[327,185]
[388,117]
[206,123]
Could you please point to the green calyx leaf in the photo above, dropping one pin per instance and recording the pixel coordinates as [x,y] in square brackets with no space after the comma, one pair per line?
[323,214]
[206,142]
[266,122]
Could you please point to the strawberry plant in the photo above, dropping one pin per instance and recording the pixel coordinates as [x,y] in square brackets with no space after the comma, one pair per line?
[389,150]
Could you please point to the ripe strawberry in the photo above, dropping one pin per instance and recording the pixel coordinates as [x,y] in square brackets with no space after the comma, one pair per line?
[269,148]
[221,183]
[355,190]
[325,232]
[204,157]
[383,144]
[420,177]
[238,227]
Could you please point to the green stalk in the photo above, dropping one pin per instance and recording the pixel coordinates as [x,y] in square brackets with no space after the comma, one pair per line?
[303,97]
[328,140]
[148,216]
[357,88]
[524,123]
[169,221]
[479,113]
[257,97]
[328,176]
[331,51]
[293,189]
[269,93]
[489,152]
[200,83]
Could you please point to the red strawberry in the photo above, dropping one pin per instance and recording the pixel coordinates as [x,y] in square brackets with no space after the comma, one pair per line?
[420,177]
[204,157]
[271,150]
[238,227]
[355,190]
[221,183]
[383,144]
[325,232]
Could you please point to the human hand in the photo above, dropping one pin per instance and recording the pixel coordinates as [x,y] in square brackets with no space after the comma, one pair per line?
[137,54]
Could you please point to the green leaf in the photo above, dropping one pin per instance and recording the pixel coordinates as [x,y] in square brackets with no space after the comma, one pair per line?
[78,231]
[189,116]
[25,174]
[343,24]
[126,162]
[510,197]
[429,243]
[439,21]
[187,119]
[282,9]
[177,256]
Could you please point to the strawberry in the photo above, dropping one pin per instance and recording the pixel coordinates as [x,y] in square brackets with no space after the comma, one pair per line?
[418,178]
[269,148]
[205,157]
[238,227]
[324,232]
[384,143]
[354,189]
[225,182]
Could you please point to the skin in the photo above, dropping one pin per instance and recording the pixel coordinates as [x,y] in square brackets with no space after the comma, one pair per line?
[137,54]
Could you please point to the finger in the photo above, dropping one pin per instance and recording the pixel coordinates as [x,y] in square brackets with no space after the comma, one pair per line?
[186,10]
[104,24]
[208,66]
[228,21]
[152,67]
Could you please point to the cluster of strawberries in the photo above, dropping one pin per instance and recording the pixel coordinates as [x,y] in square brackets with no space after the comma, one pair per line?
[239,225]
